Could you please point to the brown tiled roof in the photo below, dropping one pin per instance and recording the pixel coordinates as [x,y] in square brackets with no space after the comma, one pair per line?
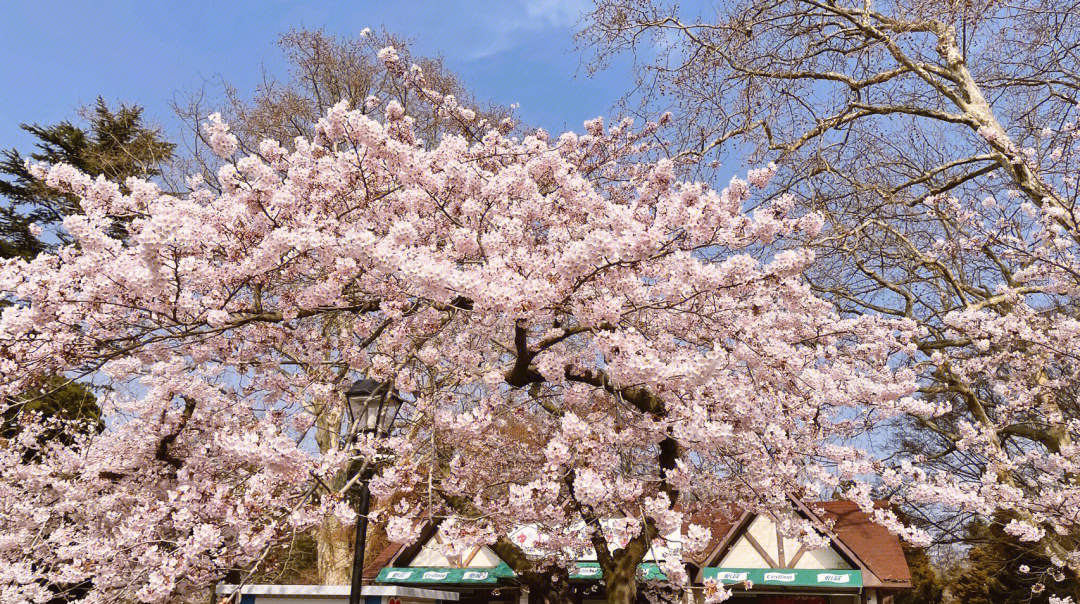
[719,522]
[878,549]
[371,570]
[393,550]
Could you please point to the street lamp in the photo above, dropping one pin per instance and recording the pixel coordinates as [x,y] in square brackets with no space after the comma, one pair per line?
[373,405]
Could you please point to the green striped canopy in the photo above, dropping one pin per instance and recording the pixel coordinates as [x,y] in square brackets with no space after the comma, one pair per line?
[801,577]
[444,575]
[591,570]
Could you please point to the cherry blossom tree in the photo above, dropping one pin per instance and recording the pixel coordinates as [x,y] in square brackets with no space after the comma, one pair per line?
[937,139]
[577,336]
[322,70]
[1013,456]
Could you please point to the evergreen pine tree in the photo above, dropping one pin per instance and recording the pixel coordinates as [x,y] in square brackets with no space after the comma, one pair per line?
[115,143]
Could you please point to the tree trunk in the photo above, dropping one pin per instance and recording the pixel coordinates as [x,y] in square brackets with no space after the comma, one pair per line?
[621,583]
[548,589]
[621,567]
[334,552]
[333,540]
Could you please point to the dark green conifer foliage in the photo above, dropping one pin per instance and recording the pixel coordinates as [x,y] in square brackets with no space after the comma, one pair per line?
[115,143]
[992,572]
[927,583]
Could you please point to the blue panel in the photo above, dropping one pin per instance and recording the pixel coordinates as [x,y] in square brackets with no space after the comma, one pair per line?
[247,599]
[372,599]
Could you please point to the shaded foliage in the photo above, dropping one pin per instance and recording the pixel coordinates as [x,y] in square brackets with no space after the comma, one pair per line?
[998,568]
[927,582]
[57,398]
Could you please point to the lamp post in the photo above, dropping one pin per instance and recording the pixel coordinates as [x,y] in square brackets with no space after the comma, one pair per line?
[373,406]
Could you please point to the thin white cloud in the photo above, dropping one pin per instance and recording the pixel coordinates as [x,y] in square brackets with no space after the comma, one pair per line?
[507,26]
[558,13]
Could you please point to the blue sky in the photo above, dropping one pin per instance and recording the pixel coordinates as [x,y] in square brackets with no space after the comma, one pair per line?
[58,55]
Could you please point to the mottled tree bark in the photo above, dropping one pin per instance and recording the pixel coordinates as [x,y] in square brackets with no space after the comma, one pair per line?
[333,547]
[334,552]
[549,589]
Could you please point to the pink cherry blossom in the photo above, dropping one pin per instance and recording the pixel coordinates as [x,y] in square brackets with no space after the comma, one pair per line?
[576,335]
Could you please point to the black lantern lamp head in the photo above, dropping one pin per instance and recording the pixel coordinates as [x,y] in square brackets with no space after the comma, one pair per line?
[371,404]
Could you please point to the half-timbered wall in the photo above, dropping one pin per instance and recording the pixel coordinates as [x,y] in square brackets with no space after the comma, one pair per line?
[761,546]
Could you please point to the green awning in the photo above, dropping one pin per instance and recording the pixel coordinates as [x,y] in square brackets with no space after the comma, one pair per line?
[444,575]
[799,577]
[591,570]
